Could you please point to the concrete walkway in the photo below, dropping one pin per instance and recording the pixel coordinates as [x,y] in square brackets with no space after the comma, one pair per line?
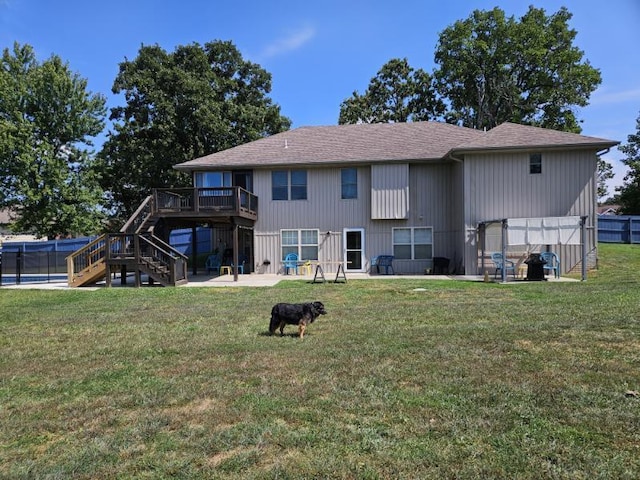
[269,280]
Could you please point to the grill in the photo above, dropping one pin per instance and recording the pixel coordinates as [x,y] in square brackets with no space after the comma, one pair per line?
[535,267]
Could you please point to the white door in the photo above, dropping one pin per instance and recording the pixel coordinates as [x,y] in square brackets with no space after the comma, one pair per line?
[353,242]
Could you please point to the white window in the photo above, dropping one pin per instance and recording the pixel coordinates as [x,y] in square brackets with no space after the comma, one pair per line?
[413,243]
[304,243]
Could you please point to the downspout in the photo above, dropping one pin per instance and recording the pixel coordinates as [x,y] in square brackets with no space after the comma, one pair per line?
[456,159]
[505,227]
[583,238]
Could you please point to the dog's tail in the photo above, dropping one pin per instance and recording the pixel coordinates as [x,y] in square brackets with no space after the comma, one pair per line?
[275,322]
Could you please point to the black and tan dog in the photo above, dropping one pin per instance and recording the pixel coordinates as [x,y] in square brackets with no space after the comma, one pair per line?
[301,314]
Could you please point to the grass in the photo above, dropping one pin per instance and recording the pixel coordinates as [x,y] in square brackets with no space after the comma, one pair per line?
[402,379]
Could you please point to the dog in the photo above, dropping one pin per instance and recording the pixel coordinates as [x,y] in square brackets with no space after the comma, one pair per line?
[301,314]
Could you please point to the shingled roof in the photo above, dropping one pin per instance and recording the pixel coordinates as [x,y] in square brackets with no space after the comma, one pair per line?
[513,136]
[383,142]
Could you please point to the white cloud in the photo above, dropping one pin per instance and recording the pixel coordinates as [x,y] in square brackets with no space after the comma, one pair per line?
[604,96]
[293,41]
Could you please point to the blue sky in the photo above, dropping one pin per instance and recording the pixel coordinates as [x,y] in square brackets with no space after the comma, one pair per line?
[319,52]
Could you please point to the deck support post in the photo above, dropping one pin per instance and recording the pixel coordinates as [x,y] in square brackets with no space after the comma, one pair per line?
[194,249]
[235,252]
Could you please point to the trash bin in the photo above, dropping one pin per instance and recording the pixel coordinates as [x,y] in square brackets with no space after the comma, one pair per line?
[440,266]
[535,267]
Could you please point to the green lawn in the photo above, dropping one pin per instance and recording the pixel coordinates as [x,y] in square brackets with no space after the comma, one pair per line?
[402,379]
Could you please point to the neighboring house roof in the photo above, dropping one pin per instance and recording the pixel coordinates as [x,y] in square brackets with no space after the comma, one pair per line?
[384,142]
[608,209]
[5,217]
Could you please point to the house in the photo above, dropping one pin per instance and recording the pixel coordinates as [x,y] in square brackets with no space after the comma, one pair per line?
[608,209]
[417,191]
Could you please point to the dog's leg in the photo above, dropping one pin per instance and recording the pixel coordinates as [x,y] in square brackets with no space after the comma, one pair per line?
[301,328]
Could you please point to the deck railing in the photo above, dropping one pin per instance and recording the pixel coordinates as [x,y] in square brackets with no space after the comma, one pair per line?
[227,200]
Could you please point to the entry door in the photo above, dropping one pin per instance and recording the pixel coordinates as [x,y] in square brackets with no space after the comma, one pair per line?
[353,242]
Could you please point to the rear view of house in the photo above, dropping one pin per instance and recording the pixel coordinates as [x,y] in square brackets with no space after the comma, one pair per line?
[418,191]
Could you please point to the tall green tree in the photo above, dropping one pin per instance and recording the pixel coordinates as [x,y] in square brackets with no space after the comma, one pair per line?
[398,93]
[492,68]
[629,193]
[47,119]
[605,172]
[179,106]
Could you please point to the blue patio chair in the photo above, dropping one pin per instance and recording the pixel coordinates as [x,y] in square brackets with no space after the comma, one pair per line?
[290,262]
[242,259]
[500,263]
[384,261]
[213,263]
[552,263]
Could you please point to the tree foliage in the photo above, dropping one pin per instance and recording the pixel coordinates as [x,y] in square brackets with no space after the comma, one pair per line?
[605,172]
[47,119]
[629,193]
[398,93]
[179,106]
[493,68]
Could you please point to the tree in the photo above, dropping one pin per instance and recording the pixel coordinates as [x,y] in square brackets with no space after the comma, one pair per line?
[605,172]
[398,93]
[180,106]
[629,193]
[493,68]
[47,119]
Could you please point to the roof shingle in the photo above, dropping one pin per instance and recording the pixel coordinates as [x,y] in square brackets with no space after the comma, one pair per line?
[383,142]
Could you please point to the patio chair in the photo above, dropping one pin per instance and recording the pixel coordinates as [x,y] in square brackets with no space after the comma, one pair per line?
[384,261]
[213,263]
[552,263]
[242,259]
[306,267]
[500,263]
[290,262]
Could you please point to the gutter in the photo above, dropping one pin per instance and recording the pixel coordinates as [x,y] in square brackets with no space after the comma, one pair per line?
[455,159]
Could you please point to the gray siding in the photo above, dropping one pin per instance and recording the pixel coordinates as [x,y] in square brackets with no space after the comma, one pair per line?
[432,191]
[499,186]
[389,191]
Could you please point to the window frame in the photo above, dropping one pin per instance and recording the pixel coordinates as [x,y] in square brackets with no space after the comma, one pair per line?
[301,245]
[535,164]
[411,243]
[294,191]
[348,184]
[201,178]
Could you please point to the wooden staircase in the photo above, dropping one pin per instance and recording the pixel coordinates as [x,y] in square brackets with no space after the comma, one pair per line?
[138,249]
[135,247]
[140,253]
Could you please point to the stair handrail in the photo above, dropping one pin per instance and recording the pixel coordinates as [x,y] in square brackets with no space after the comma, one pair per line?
[142,213]
[166,248]
[85,257]
[175,261]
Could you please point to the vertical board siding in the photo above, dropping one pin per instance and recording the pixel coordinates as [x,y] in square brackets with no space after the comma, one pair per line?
[499,185]
[389,191]
[431,190]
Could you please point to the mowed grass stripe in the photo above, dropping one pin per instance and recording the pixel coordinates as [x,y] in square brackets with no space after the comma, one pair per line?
[455,380]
